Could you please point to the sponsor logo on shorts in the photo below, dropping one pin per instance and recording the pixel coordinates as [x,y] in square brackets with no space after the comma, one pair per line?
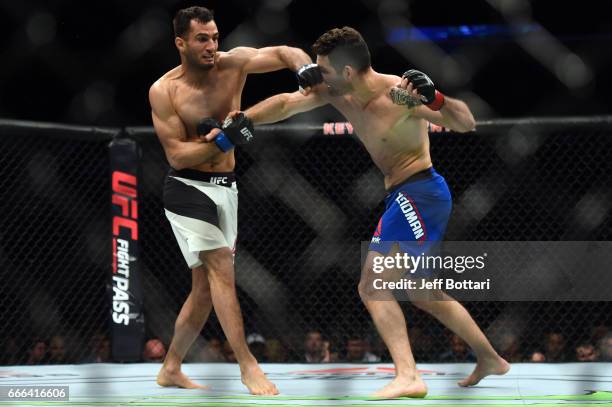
[412,216]
[377,232]
[219,180]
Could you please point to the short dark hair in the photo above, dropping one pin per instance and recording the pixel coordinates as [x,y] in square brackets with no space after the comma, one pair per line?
[344,46]
[182,19]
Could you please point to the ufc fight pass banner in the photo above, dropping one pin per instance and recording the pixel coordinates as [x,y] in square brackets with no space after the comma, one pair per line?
[126,294]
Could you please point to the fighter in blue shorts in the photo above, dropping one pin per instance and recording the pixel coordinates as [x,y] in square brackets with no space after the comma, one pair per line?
[416,210]
[390,115]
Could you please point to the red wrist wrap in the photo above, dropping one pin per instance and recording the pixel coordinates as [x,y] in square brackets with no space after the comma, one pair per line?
[438,102]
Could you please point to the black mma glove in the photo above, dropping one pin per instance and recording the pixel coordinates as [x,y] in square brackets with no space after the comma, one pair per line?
[236,131]
[308,75]
[426,89]
[206,125]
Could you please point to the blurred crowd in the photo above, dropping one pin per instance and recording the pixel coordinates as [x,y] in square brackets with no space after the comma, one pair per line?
[316,347]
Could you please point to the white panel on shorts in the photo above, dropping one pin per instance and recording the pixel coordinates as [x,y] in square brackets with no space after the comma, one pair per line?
[194,235]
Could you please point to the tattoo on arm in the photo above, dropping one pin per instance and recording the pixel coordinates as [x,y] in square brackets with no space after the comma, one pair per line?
[401,96]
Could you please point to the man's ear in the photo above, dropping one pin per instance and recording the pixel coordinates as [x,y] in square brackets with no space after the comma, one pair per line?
[347,72]
[179,42]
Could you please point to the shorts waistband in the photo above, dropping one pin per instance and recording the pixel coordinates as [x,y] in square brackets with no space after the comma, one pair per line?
[419,176]
[225,179]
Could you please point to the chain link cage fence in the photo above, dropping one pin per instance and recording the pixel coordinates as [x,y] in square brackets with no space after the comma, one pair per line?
[54,245]
[306,202]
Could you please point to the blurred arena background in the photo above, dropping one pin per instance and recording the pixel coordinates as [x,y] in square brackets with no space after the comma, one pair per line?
[93,64]
[306,200]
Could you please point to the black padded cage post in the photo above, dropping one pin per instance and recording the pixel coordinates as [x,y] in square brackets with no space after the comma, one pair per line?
[126,292]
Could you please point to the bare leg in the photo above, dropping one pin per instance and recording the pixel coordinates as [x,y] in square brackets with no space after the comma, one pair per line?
[219,264]
[188,326]
[456,318]
[391,324]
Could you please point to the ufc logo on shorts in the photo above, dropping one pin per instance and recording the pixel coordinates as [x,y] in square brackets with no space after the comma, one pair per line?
[246,133]
[218,180]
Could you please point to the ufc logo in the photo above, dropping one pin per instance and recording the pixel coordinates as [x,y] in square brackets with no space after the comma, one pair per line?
[218,180]
[246,133]
[125,194]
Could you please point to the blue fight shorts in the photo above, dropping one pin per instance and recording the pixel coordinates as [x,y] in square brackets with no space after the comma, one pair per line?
[416,215]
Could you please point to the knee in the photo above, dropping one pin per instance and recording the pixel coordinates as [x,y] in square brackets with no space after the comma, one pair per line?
[362,289]
[217,260]
[200,288]
[432,304]
[366,290]
[219,265]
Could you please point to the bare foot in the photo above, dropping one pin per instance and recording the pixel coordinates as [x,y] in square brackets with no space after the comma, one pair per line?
[403,387]
[166,378]
[485,367]
[257,382]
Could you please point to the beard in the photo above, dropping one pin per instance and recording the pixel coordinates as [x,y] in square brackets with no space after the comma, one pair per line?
[335,90]
[338,86]
[197,62]
[206,67]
